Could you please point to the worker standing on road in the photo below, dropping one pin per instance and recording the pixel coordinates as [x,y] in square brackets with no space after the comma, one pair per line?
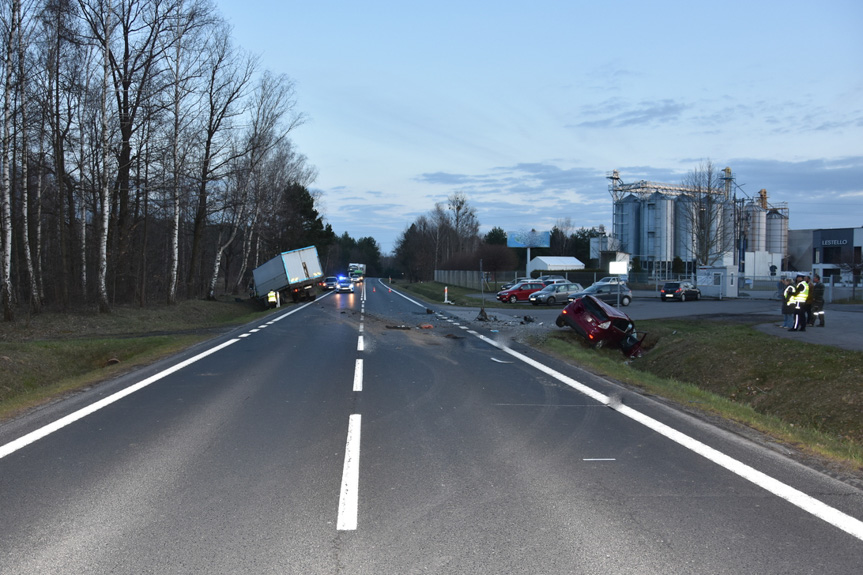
[817,293]
[786,293]
[801,294]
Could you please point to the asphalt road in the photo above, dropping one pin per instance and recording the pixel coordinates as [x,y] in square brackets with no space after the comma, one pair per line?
[361,434]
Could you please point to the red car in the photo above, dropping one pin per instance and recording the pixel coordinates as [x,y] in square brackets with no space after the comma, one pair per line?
[520,291]
[601,324]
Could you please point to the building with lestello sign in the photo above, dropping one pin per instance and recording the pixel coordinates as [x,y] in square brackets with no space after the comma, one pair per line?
[831,253]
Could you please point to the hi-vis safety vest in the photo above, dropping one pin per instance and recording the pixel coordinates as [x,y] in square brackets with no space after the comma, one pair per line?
[802,294]
[271,297]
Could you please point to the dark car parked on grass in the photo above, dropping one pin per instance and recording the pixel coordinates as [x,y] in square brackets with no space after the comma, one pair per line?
[519,292]
[679,290]
[555,293]
[600,324]
[608,292]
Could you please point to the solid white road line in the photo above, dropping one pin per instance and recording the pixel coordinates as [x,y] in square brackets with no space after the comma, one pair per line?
[14,446]
[349,496]
[843,521]
[850,525]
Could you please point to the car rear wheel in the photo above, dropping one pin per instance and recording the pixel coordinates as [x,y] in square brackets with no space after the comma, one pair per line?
[550,301]
[559,322]
[512,299]
[697,296]
[683,297]
[624,301]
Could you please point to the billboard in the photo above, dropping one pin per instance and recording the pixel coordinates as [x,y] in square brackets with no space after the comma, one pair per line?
[531,239]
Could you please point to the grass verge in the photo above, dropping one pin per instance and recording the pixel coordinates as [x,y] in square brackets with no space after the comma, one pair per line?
[48,355]
[434,292]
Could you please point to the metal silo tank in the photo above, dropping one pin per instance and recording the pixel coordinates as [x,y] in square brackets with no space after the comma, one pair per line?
[777,233]
[756,218]
[657,231]
[684,234]
[627,218]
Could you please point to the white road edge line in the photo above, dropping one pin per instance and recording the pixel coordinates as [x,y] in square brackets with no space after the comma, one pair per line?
[349,496]
[831,515]
[25,440]
[37,434]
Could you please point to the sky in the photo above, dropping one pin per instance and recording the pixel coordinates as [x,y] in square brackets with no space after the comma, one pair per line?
[526,107]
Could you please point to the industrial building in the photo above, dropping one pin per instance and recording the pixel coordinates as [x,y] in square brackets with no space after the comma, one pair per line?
[704,227]
[834,254]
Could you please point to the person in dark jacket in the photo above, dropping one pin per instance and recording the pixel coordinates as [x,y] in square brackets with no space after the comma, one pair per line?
[817,294]
[787,309]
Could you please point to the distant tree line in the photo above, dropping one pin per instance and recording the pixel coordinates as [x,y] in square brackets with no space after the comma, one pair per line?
[145,157]
[448,238]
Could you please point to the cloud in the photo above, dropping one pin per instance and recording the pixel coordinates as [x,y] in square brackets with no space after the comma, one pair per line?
[820,193]
[615,113]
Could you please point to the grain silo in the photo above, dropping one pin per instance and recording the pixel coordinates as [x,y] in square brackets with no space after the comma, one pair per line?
[657,227]
[627,224]
[756,227]
[777,232]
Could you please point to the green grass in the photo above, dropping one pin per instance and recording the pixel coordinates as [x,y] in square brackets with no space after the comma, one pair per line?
[47,355]
[434,292]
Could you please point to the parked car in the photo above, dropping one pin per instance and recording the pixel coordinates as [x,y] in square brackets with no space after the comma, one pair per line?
[345,285]
[513,283]
[600,325]
[611,280]
[519,292]
[552,279]
[679,290]
[555,293]
[331,283]
[609,293]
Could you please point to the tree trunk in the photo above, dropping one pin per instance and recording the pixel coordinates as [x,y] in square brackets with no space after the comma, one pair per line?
[5,193]
[105,189]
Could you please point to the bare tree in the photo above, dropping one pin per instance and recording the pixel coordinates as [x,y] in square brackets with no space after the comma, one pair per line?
[136,63]
[272,119]
[105,192]
[464,222]
[703,210]
[228,75]
[184,68]
[13,36]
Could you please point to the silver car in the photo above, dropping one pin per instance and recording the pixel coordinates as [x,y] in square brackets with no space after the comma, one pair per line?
[555,293]
[610,293]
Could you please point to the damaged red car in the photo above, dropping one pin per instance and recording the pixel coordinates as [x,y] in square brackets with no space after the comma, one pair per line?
[601,324]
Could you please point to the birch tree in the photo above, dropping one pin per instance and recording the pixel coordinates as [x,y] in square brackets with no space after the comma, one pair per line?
[12,37]
[228,76]
[272,119]
[105,191]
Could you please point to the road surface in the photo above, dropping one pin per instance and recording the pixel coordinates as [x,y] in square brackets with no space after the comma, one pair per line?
[361,434]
